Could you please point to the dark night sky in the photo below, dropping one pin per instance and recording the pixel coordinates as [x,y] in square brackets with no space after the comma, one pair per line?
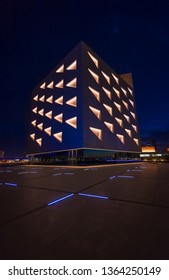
[131,36]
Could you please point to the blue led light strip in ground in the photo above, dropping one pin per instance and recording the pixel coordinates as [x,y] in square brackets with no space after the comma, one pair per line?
[60,199]
[112,177]
[92,195]
[11,184]
[129,177]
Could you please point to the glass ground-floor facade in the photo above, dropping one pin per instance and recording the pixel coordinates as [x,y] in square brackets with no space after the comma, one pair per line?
[83,157]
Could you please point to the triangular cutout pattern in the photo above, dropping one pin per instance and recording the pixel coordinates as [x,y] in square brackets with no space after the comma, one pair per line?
[72,83]
[60,84]
[135,127]
[41,112]
[130,91]
[97,132]
[134,116]
[95,93]
[128,132]
[72,122]
[60,69]
[42,99]
[107,92]
[35,110]
[59,118]
[94,75]
[48,130]
[33,123]
[110,126]
[59,100]
[120,122]
[40,126]
[50,99]
[109,109]
[136,141]
[43,86]
[125,104]
[115,78]
[132,103]
[96,112]
[118,106]
[127,118]
[32,136]
[106,77]
[72,66]
[50,85]
[121,137]
[94,59]
[124,91]
[58,136]
[49,114]
[72,102]
[117,92]
[36,98]
[39,141]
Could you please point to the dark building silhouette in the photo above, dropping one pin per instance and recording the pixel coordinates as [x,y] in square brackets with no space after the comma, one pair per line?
[83,109]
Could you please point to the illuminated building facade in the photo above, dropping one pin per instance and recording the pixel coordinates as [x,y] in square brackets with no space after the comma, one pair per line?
[83,109]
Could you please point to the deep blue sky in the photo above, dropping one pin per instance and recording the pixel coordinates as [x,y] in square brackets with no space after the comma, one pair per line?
[131,36]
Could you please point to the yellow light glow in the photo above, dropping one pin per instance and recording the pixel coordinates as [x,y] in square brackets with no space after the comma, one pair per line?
[58,136]
[33,123]
[50,99]
[40,126]
[72,83]
[42,99]
[125,104]
[110,126]
[94,75]
[49,114]
[132,103]
[60,84]
[48,130]
[72,66]
[97,132]
[134,116]
[136,140]
[96,112]
[41,112]
[128,132]
[107,92]
[94,59]
[36,98]
[127,117]
[59,100]
[117,92]
[135,127]
[124,91]
[35,110]
[118,106]
[72,122]
[39,141]
[130,91]
[43,86]
[60,69]
[109,109]
[106,77]
[95,93]
[32,136]
[121,137]
[59,118]
[148,149]
[120,122]
[72,102]
[50,85]
[116,79]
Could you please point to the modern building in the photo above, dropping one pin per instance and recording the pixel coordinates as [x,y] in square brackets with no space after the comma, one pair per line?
[83,110]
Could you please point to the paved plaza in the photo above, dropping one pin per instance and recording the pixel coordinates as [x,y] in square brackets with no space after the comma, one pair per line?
[108,212]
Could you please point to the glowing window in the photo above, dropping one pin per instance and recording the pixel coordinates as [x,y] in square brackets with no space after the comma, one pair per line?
[130,91]
[132,103]
[59,100]
[110,126]
[94,59]
[60,69]
[117,92]
[43,86]
[107,92]
[39,141]
[108,108]
[35,110]
[134,116]
[121,137]
[32,136]
[50,99]
[72,83]
[72,102]
[136,141]
[135,127]
[58,136]
[59,118]
[106,77]
[124,91]
[127,118]
[118,106]
[49,114]
[96,112]
[94,75]
[42,99]
[40,126]
[119,122]
[60,84]
[116,79]
[72,122]
[41,112]
[128,132]
[33,123]
[95,93]
[97,132]
[50,85]
[35,98]
[125,104]
[72,66]
[48,130]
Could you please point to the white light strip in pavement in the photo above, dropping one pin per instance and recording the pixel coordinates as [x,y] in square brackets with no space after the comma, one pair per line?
[57,174]
[11,184]
[69,173]
[24,172]
[92,195]
[112,177]
[60,199]
[137,170]
[123,176]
